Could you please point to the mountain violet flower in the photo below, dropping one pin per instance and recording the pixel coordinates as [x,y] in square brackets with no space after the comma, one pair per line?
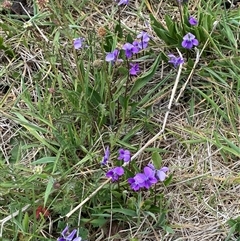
[193,21]
[143,180]
[123,2]
[135,182]
[159,174]
[78,43]
[124,155]
[134,69]
[144,36]
[138,45]
[189,40]
[176,61]
[112,57]
[106,156]
[149,177]
[130,50]
[115,173]
[144,39]
[69,237]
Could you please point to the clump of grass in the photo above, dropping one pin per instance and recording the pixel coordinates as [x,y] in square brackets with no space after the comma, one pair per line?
[69,96]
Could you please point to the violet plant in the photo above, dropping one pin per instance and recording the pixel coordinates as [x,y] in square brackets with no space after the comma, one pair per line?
[187,33]
[143,180]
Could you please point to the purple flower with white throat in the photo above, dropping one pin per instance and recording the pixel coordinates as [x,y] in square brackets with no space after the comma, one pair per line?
[193,21]
[134,69]
[115,173]
[122,2]
[136,182]
[112,57]
[145,38]
[149,177]
[176,61]
[143,180]
[138,45]
[160,174]
[130,50]
[106,156]
[66,236]
[124,155]
[189,40]
[78,43]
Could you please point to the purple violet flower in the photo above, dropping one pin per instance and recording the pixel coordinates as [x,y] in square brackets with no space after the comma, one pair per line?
[134,69]
[122,2]
[159,174]
[189,40]
[144,39]
[115,173]
[69,237]
[78,43]
[176,61]
[144,36]
[135,182]
[124,155]
[130,49]
[137,45]
[143,180]
[112,57]
[149,177]
[193,21]
[106,156]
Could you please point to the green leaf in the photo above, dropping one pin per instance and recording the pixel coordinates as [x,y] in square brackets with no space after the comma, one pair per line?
[168,229]
[127,212]
[98,222]
[170,25]
[157,160]
[8,51]
[142,81]
[156,23]
[119,31]
[231,222]
[25,222]
[168,180]
[214,104]
[231,232]
[234,149]
[48,190]
[162,34]
[94,97]
[44,160]
[124,101]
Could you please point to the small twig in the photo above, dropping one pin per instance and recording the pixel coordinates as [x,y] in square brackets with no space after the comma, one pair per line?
[141,149]
[88,198]
[166,115]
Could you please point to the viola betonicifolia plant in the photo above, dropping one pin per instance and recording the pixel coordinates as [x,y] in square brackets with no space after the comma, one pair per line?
[127,52]
[142,180]
[104,88]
